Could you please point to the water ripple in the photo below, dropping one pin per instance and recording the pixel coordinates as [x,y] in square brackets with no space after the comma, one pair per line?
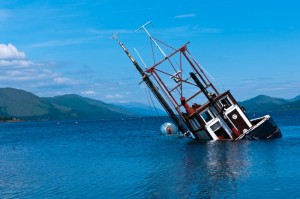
[129,159]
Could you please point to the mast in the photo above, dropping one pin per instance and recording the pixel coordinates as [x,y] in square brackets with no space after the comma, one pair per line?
[156,44]
[154,90]
[200,85]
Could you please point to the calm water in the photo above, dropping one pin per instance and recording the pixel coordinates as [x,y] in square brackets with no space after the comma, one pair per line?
[130,159]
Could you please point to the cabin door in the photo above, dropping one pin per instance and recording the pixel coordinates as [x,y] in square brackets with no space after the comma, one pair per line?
[238,121]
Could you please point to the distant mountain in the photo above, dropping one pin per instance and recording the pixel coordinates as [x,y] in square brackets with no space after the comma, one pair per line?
[263,103]
[142,109]
[296,98]
[24,105]
[15,103]
[295,105]
[77,107]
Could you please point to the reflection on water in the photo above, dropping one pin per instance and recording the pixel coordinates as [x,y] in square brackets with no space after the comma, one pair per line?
[201,169]
[215,167]
[129,159]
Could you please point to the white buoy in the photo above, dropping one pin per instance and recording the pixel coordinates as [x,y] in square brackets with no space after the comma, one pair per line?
[168,129]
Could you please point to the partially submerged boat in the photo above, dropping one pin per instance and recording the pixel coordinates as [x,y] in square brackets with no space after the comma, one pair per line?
[192,101]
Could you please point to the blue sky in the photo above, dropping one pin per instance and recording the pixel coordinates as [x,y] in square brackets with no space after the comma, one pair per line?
[57,47]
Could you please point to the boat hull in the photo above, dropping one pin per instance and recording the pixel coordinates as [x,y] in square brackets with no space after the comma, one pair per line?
[263,128]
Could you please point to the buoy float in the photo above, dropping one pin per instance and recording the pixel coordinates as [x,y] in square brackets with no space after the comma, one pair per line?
[168,129]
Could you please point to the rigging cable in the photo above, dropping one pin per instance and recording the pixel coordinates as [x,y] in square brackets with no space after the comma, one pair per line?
[153,106]
[153,55]
[218,83]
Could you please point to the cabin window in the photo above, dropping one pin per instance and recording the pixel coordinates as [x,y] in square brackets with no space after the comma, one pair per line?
[206,116]
[225,102]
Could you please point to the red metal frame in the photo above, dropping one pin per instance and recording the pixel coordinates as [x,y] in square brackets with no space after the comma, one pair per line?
[159,73]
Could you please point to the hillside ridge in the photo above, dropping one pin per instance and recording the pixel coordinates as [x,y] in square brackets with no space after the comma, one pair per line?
[24,105]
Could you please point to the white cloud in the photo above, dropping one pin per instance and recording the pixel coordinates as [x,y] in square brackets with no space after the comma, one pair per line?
[189,30]
[115,96]
[185,16]
[64,80]
[17,71]
[47,79]
[57,43]
[10,52]
[16,63]
[96,35]
[110,32]
[197,29]
[89,92]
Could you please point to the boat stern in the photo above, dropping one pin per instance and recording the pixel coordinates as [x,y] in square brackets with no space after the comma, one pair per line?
[263,128]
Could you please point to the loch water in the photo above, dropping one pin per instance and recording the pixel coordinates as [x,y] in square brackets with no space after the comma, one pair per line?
[129,158]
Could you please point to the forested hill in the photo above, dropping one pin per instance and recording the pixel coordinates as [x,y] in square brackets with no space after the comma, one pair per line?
[263,103]
[15,103]
[24,105]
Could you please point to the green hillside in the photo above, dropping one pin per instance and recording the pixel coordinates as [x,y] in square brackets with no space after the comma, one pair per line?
[15,103]
[263,103]
[19,103]
[24,105]
[295,105]
[78,107]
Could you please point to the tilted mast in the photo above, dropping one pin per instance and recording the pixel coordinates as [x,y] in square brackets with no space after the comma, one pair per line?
[154,90]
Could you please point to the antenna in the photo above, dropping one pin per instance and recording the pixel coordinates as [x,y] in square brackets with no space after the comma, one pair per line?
[114,36]
[140,58]
[143,27]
